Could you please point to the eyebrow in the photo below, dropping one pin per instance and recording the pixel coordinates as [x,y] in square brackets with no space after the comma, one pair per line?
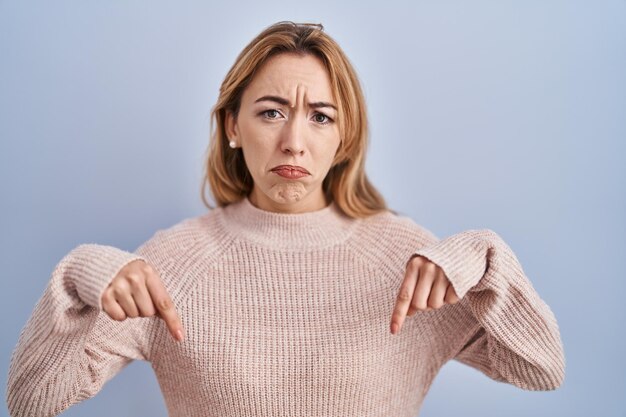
[285,102]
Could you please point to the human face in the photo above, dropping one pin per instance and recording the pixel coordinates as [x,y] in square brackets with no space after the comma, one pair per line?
[287,116]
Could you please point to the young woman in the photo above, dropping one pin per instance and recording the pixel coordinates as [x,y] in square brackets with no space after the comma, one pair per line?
[300,293]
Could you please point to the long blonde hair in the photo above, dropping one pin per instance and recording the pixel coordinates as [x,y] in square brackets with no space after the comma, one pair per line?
[346,182]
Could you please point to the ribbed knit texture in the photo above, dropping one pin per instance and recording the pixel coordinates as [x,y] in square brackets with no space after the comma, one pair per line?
[287,315]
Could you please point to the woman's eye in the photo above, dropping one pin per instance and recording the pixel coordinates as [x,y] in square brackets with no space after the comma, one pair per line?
[325,119]
[270,113]
[273,114]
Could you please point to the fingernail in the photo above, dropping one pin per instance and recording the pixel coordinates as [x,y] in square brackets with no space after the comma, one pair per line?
[179,335]
[394,328]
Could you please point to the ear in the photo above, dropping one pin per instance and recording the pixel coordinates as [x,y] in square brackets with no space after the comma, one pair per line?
[232,131]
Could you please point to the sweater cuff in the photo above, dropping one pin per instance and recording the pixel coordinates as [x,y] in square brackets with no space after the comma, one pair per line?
[463,258]
[93,268]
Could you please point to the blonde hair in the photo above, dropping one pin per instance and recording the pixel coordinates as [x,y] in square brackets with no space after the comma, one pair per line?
[346,182]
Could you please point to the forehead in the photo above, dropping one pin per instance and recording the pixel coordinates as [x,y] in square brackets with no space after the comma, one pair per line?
[285,74]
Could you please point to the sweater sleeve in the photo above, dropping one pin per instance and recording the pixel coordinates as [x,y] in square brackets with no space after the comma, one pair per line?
[69,346]
[515,337]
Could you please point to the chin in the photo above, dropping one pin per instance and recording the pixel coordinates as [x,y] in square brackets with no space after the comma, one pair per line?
[287,193]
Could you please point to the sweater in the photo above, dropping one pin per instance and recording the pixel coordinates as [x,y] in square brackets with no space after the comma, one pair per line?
[287,315]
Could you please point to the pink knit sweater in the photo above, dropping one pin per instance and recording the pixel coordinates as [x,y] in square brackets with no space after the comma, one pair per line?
[287,315]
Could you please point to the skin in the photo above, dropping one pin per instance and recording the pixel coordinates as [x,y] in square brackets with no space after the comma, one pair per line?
[293,133]
[425,287]
[288,131]
[137,291]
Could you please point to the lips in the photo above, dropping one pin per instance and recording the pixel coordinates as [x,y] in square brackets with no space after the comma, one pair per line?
[291,167]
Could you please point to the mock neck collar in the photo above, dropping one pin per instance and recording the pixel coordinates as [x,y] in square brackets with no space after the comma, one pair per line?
[312,229]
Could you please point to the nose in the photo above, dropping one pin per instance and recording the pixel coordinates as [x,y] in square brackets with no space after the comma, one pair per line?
[292,138]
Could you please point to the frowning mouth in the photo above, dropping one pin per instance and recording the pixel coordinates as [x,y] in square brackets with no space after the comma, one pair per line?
[290,171]
[291,167]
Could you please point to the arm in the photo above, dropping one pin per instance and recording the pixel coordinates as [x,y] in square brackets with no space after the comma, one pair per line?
[516,336]
[69,346]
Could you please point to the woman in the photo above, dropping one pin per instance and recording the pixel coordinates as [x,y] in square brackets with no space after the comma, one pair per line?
[300,293]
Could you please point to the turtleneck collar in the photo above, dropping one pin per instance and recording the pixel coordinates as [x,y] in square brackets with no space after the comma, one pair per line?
[311,229]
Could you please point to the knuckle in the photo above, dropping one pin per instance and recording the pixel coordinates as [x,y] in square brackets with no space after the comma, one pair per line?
[451,298]
[118,290]
[135,282]
[151,272]
[133,276]
[164,303]
[404,295]
[430,267]
[106,296]
[417,262]
[413,260]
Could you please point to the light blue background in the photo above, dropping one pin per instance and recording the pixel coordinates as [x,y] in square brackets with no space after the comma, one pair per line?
[496,114]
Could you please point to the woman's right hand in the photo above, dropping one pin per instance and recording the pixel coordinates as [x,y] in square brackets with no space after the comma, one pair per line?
[137,291]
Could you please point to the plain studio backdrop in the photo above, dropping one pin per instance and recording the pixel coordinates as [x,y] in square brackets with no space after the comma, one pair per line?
[484,114]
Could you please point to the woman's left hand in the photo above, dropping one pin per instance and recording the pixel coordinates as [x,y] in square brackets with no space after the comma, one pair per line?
[425,287]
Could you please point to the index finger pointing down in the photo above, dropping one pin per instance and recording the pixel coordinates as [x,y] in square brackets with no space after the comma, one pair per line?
[165,306]
[404,297]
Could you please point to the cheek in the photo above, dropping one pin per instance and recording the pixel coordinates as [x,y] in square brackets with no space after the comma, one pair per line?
[327,152]
[255,143]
